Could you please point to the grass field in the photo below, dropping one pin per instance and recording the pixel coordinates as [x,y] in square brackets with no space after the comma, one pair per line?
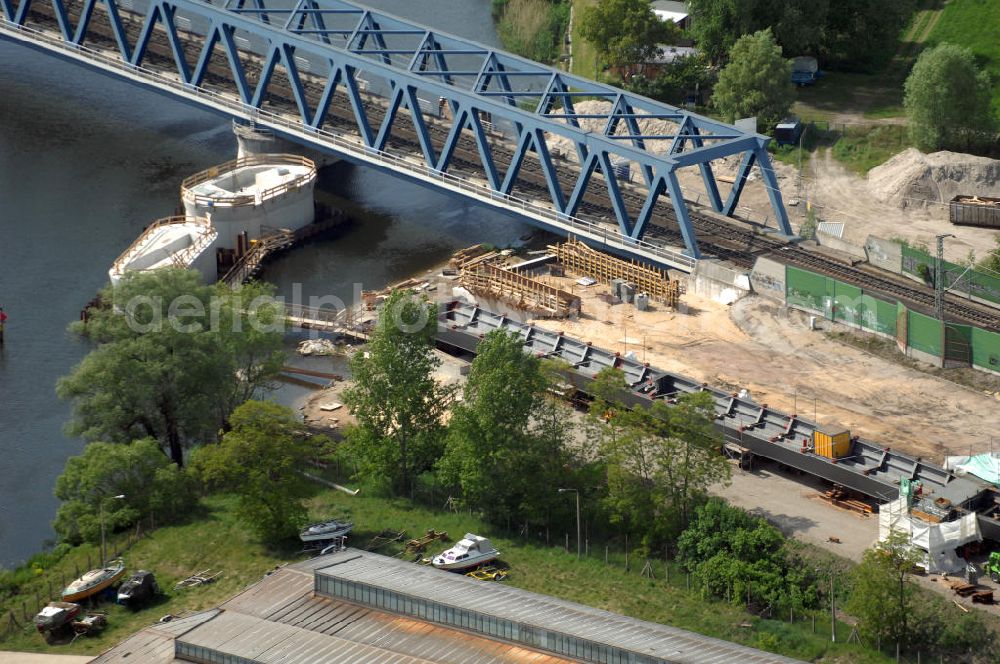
[862,149]
[216,541]
[973,24]
[584,55]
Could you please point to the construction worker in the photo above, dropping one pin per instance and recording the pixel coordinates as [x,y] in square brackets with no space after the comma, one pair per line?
[3,319]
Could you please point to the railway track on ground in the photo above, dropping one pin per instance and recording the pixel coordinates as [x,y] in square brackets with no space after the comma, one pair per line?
[720,239]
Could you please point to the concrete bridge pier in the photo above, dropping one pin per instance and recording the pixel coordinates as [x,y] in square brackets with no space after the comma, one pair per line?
[253,140]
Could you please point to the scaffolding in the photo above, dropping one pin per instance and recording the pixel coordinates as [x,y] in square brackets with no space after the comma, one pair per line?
[490,280]
[578,257]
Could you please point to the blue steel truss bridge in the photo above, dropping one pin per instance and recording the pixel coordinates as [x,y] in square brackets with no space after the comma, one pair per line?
[463,117]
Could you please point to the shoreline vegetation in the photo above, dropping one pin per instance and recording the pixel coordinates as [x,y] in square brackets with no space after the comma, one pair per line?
[656,547]
[533,29]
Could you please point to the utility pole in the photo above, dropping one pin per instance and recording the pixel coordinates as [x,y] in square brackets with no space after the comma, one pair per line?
[939,278]
[578,540]
[833,612]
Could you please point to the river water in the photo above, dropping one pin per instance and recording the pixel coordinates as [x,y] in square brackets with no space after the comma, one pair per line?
[86,161]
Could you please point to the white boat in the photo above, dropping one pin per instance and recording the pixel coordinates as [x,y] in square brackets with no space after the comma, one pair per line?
[470,551]
[326,530]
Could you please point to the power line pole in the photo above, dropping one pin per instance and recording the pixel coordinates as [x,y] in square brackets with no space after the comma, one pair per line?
[939,278]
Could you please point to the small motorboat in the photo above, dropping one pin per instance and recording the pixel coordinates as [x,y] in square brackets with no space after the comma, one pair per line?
[139,588]
[326,530]
[470,551]
[94,581]
[55,615]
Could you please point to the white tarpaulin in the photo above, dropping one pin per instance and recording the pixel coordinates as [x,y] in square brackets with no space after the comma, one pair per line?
[937,540]
[983,466]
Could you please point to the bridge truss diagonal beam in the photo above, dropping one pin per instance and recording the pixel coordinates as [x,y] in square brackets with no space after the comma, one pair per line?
[332,53]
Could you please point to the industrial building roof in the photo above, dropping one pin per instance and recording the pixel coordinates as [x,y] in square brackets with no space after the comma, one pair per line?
[282,619]
[539,611]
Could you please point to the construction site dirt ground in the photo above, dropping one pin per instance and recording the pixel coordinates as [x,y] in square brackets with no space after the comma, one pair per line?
[759,345]
[841,196]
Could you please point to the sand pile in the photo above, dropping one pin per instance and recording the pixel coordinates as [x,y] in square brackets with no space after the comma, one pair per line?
[914,179]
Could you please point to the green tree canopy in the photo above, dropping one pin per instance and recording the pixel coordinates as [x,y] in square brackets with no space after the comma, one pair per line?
[172,357]
[862,35]
[151,484]
[504,452]
[261,459]
[736,556]
[850,34]
[395,399]
[659,460]
[883,595]
[947,101]
[624,32]
[756,82]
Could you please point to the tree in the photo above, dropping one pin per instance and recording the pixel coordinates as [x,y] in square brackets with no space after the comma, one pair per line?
[260,459]
[947,101]
[500,453]
[395,399]
[798,25]
[172,358]
[737,556]
[625,32]
[756,82]
[862,35]
[151,485]
[882,597]
[659,460]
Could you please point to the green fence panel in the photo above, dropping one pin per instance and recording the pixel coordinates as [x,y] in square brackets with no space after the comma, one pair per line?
[918,263]
[847,304]
[981,284]
[986,349]
[877,315]
[924,333]
[805,289]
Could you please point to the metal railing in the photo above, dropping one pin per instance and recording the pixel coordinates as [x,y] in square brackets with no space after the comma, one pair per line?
[236,200]
[181,258]
[595,232]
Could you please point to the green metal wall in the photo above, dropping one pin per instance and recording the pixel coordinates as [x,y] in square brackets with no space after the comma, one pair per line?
[847,303]
[986,349]
[805,289]
[980,284]
[924,333]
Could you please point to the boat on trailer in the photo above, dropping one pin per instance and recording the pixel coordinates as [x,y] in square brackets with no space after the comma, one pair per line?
[55,615]
[326,530]
[470,551]
[94,581]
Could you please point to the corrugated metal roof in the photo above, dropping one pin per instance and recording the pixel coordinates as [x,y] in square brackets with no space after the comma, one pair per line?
[279,619]
[539,611]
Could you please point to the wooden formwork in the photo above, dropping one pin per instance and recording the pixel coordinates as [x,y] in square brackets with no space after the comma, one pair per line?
[484,278]
[578,257]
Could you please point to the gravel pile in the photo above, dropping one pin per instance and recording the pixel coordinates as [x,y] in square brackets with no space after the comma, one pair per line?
[914,179]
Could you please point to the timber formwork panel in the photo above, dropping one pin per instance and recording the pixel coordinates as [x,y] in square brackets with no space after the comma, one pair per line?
[487,279]
[578,257]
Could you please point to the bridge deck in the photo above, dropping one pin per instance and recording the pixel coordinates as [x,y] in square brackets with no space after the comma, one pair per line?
[360,101]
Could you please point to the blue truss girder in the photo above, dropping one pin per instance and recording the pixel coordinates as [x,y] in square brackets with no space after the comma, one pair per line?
[476,81]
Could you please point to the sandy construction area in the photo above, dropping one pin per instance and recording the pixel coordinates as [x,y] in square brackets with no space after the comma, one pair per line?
[758,345]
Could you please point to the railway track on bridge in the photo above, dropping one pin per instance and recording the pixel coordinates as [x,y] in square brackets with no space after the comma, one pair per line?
[722,239]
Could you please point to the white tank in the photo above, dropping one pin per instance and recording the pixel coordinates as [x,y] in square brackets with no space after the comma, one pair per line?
[253,194]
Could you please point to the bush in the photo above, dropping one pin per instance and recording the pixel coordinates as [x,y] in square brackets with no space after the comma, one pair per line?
[151,484]
[532,28]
